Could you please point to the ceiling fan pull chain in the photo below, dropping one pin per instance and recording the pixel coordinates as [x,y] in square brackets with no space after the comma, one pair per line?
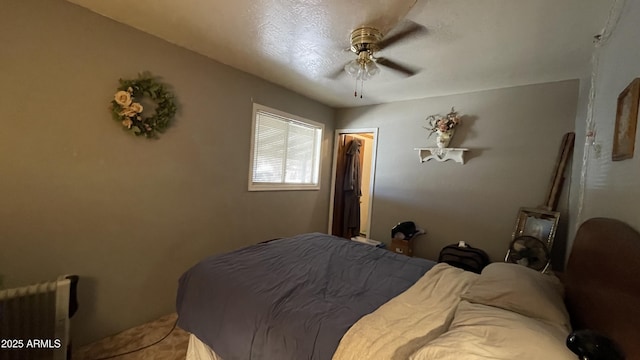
[361,87]
[355,91]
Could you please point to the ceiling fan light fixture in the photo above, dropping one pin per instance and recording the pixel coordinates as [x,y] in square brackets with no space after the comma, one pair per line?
[371,68]
[353,68]
[362,68]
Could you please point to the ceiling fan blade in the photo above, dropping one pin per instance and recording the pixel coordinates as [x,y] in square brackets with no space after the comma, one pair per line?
[410,30]
[335,74]
[395,66]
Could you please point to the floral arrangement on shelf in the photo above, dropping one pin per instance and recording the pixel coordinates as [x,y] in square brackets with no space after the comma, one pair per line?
[440,124]
[127,109]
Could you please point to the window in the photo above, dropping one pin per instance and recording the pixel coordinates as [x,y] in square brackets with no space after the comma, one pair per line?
[285,151]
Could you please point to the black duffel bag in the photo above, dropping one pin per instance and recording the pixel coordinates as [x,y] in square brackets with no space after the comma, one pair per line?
[464,257]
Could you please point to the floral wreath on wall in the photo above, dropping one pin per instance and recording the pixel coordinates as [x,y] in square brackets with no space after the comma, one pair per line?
[126,107]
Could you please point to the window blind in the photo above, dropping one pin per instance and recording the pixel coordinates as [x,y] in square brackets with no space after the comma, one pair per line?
[286,151]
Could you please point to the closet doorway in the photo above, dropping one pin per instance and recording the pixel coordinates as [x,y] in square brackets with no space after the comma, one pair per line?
[354,162]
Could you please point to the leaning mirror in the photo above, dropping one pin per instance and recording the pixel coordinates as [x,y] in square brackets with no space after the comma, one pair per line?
[538,223]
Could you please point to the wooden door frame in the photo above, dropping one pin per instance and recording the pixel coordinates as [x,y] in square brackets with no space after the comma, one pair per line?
[374,151]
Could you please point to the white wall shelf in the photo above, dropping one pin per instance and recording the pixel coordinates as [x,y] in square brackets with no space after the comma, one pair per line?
[441,154]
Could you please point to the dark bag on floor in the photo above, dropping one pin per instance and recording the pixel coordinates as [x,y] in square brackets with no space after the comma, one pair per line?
[464,257]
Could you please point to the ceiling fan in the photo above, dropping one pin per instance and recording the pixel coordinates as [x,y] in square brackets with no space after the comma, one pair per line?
[367,40]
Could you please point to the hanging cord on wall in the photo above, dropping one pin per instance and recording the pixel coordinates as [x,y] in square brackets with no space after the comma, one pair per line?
[141,348]
[612,22]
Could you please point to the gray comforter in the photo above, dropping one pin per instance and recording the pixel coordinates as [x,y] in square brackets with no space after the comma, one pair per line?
[290,298]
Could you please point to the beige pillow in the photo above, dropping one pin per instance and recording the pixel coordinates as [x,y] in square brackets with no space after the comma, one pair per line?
[486,332]
[522,290]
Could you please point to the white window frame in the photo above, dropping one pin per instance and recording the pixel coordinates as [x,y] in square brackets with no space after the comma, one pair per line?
[292,118]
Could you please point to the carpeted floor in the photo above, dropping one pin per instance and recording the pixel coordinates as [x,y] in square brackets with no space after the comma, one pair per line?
[174,347]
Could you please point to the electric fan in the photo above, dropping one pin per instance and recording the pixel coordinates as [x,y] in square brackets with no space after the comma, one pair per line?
[528,251]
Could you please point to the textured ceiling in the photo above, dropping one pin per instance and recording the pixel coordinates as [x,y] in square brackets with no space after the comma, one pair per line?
[468,45]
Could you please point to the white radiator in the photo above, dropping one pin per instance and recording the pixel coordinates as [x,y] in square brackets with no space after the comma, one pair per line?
[34,321]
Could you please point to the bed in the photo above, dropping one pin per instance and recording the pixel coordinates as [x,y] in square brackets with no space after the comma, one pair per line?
[289,298]
[314,296]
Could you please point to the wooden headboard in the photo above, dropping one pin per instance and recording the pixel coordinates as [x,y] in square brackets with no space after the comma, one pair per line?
[602,282]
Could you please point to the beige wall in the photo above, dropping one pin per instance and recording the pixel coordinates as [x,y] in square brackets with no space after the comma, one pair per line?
[129,215]
[514,136]
[612,188]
